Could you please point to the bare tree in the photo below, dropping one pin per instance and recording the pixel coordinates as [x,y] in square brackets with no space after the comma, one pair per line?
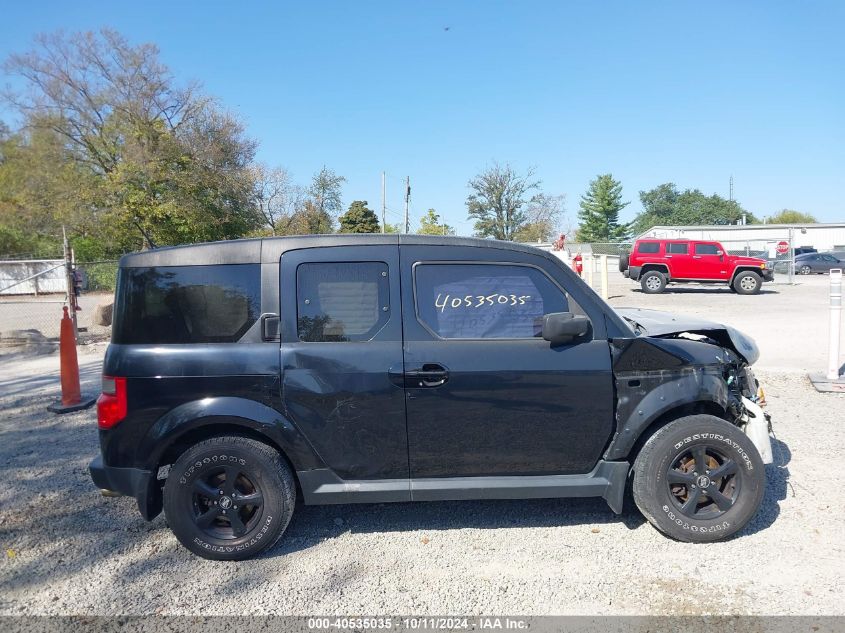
[497,201]
[544,218]
[275,195]
[81,85]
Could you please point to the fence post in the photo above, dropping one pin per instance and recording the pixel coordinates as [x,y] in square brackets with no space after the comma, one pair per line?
[835,323]
[69,282]
[790,265]
[589,264]
[603,273]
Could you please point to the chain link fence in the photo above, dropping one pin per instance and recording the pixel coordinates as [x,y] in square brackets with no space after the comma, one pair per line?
[33,293]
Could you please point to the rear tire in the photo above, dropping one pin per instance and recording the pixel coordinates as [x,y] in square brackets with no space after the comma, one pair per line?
[623,262]
[747,283]
[229,498]
[653,282]
[693,506]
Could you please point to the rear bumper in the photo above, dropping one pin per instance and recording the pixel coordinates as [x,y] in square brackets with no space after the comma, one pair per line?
[130,482]
[632,272]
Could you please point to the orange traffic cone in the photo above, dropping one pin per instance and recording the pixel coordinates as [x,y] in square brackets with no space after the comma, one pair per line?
[72,399]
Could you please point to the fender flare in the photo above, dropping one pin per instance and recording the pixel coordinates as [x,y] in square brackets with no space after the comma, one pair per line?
[654,396]
[208,412]
[662,268]
[741,269]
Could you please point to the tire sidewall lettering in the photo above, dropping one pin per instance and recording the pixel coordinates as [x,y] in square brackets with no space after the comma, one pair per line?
[207,461]
[717,437]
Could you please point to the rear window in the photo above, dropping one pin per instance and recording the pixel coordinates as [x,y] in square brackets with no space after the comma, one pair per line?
[186,304]
[648,247]
[678,248]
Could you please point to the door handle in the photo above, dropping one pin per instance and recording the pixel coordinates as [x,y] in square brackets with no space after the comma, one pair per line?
[696,256]
[429,375]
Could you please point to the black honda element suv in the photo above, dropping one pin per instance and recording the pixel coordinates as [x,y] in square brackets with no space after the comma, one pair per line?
[243,375]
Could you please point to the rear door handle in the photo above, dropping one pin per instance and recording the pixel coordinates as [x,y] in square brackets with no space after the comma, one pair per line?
[429,375]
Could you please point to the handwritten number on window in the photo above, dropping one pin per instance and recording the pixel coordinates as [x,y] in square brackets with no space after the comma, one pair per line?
[443,302]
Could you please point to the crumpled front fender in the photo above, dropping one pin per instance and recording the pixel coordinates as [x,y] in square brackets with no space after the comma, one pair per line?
[655,376]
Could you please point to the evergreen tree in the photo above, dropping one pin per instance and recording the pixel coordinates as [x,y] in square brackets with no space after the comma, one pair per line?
[599,214]
[359,219]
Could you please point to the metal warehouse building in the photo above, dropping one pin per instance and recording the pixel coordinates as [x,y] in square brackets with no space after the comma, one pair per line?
[822,237]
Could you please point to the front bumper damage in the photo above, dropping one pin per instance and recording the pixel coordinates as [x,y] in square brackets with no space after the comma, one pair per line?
[757,424]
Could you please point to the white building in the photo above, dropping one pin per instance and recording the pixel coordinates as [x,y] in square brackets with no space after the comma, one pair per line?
[822,237]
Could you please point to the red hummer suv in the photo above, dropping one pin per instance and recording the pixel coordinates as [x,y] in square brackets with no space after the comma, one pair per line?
[657,262]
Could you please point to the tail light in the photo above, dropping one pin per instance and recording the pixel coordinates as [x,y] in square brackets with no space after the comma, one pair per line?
[111,405]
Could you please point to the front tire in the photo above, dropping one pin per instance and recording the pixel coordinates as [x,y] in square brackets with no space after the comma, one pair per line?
[229,498]
[805,270]
[699,479]
[653,282]
[747,283]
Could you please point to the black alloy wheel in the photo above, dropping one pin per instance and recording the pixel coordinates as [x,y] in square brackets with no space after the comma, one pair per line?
[703,483]
[226,503]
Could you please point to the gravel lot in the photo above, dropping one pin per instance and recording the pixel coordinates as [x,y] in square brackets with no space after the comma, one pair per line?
[69,551]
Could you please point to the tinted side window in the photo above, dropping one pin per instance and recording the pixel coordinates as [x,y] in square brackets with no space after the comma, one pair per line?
[677,248]
[648,247]
[341,301]
[485,301]
[186,304]
[706,249]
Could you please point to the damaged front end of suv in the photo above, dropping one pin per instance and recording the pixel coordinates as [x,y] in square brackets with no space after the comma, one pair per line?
[677,365]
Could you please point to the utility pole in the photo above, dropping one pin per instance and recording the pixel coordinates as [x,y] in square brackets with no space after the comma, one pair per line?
[383,202]
[407,204]
[731,189]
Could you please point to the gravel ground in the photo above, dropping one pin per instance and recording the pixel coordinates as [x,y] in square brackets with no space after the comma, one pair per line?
[66,550]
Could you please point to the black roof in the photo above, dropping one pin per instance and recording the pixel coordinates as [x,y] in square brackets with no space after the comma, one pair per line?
[269,249]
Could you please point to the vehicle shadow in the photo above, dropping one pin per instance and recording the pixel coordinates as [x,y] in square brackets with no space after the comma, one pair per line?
[312,525]
[777,489]
[703,290]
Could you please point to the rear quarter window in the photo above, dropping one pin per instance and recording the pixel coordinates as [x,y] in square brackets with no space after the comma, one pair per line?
[648,247]
[186,304]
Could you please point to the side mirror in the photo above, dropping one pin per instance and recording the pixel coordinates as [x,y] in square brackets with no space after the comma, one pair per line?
[562,327]
[720,253]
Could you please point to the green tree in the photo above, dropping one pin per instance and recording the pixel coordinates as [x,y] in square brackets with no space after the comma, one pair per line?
[430,224]
[359,219]
[789,216]
[599,213]
[326,194]
[142,157]
[498,199]
[665,205]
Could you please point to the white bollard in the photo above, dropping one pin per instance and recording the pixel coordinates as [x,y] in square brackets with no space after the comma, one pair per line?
[835,323]
[603,272]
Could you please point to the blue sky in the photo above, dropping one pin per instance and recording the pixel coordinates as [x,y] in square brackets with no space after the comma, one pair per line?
[684,92]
